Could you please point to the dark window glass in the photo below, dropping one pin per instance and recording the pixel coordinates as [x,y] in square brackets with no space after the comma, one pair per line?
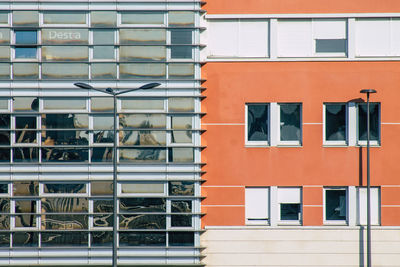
[331,45]
[25,239]
[181,239]
[142,205]
[181,188]
[4,138]
[64,239]
[103,205]
[4,205]
[65,137]
[102,154]
[64,222]
[181,220]
[64,204]
[4,121]
[29,188]
[290,122]
[3,188]
[25,206]
[25,37]
[181,206]
[25,220]
[181,51]
[26,154]
[4,239]
[290,211]
[374,122]
[4,155]
[103,220]
[4,221]
[180,37]
[65,188]
[335,122]
[64,154]
[142,221]
[335,206]
[258,122]
[25,52]
[142,239]
[25,136]
[102,239]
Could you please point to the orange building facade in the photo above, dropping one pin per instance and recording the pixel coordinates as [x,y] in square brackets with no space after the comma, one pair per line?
[285,154]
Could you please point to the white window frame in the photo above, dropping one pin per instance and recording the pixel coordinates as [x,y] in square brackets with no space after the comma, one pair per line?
[257,143]
[335,143]
[295,190]
[278,127]
[267,206]
[335,222]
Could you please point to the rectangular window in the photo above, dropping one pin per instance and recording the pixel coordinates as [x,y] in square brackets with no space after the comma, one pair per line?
[257,118]
[374,122]
[289,201]
[290,123]
[25,44]
[335,205]
[335,130]
[149,18]
[181,40]
[362,205]
[239,38]
[257,205]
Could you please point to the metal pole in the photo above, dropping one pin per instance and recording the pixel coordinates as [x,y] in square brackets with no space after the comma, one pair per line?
[115,208]
[368,192]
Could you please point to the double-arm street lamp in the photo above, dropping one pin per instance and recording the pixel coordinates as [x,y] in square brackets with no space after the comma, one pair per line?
[114,94]
[369,257]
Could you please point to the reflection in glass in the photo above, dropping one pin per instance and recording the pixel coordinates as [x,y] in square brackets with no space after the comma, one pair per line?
[142,221]
[142,205]
[135,17]
[335,206]
[65,121]
[25,104]
[65,36]
[5,33]
[142,53]
[104,71]
[4,71]
[102,154]
[4,239]
[25,18]
[103,205]
[101,239]
[65,71]
[181,188]
[178,38]
[66,103]
[180,239]
[290,122]
[103,37]
[64,239]
[142,70]
[142,239]
[25,136]
[102,104]
[3,188]
[141,187]
[4,53]
[142,121]
[257,122]
[101,188]
[25,220]
[57,154]
[64,222]
[103,18]
[25,37]
[64,17]
[4,221]
[142,36]
[25,154]
[181,206]
[374,121]
[180,71]
[25,71]
[25,52]
[290,211]
[180,154]
[143,154]
[335,122]
[181,220]
[4,121]
[142,104]
[51,138]
[144,137]
[65,53]
[26,188]
[181,18]
[70,188]
[4,138]
[180,104]
[25,239]
[4,205]
[64,204]
[103,220]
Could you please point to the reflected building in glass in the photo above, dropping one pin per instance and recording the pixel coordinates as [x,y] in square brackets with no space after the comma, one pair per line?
[56,140]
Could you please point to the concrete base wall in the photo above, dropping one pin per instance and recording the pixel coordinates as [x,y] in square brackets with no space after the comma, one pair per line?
[301,246]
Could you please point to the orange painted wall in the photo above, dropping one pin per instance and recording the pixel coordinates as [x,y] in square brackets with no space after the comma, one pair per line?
[230,163]
[301,6]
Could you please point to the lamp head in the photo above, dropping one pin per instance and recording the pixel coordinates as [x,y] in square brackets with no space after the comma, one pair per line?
[368,91]
[149,85]
[83,85]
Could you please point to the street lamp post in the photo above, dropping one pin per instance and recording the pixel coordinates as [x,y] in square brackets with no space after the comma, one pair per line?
[114,94]
[368,92]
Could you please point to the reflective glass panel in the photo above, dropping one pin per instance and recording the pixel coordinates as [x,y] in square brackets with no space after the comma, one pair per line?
[104,71]
[53,154]
[102,104]
[127,205]
[103,206]
[330,45]
[142,239]
[4,17]
[103,37]
[142,71]
[64,17]
[25,136]
[4,138]
[65,121]
[335,205]
[64,239]
[103,18]
[180,104]
[143,138]
[181,206]
[25,37]
[142,188]
[25,221]
[180,239]
[4,155]
[180,71]
[4,239]
[3,188]
[25,18]
[25,52]
[290,211]
[142,221]
[103,52]
[28,188]
[374,122]
[257,122]
[70,188]
[142,104]
[181,220]
[4,71]
[25,239]
[25,71]
[181,18]
[65,36]
[101,239]
[64,204]
[180,154]
[65,103]
[135,17]
[142,36]
[4,205]
[65,53]
[51,138]
[335,122]
[179,37]
[25,154]
[4,121]
[101,188]
[142,53]
[143,154]
[69,71]
[4,36]
[4,53]
[102,220]
[142,121]
[181,188]
[290,122]
[64,221]
[25,104]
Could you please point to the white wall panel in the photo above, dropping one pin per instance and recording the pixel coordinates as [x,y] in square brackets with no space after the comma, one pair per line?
[362,205]
[295,38]
[373,37]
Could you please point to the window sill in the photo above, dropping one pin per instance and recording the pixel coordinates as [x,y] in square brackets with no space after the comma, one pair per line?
[336,223]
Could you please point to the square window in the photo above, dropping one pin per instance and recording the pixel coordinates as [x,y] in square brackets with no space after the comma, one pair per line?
[25,52]
[335,122]
[257,205]
[289,200]
[257,123]
[374,120]
[290,122]
[25,37]
[103,52]
[336,205]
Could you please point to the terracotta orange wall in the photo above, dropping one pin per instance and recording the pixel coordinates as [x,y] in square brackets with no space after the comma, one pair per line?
[230,163]
[301,6]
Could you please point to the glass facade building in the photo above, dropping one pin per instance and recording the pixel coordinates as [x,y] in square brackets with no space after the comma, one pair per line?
[56,140]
